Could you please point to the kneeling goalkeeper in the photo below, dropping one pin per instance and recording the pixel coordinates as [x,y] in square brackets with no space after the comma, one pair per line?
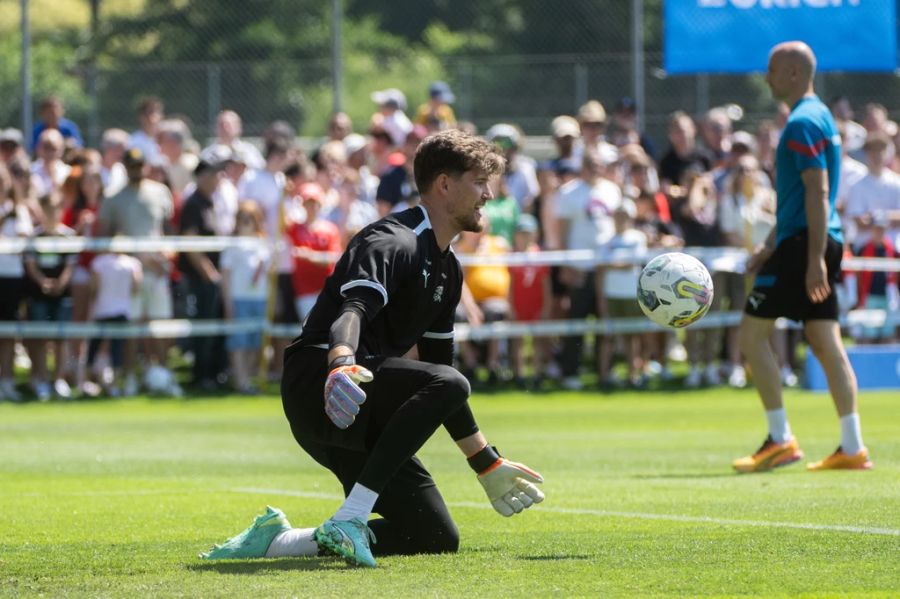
[395,288]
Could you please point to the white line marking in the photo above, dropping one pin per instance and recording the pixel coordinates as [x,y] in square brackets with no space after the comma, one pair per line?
[868,530]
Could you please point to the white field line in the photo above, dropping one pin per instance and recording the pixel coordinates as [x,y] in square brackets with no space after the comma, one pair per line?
[866,530]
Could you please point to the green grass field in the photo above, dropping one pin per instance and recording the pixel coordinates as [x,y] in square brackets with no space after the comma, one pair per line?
[116,498]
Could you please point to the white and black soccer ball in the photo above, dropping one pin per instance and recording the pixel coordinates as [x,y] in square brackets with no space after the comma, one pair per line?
[675,290]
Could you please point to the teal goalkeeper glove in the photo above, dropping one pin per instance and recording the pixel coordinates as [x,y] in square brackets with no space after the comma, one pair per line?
[510,486]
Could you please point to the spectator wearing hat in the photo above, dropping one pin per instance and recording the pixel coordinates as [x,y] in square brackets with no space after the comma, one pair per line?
[357,148]
[150,113]
[592,123]
[10,143]
[529,300]
[315,245]
[142,209]
[683,152]
[173,136]
[566,133]
[112,149]
[877,290]
[520,177]
[49,172]
[391,116]
[437,114]
[878,191]
[229,129]
[51,112]
[201,273]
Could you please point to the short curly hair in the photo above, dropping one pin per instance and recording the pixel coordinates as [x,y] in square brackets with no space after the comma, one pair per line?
[453,152]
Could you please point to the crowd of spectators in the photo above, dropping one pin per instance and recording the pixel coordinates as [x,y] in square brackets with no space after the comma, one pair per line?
[606,188]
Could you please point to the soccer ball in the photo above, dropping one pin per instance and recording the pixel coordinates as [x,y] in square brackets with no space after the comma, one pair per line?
[675,290]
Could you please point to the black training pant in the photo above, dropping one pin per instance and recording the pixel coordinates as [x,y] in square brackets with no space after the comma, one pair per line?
[405,404]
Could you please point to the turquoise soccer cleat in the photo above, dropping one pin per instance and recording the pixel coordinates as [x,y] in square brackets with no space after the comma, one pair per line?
[349,539]
[253,542]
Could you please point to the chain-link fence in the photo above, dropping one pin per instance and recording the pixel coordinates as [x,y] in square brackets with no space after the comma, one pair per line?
[520,61]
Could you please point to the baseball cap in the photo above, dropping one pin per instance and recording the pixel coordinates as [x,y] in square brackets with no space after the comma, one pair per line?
[441,91]
[565,126]
[527,223]
[503,132]
[390,97]
[217,154]
[11,136]
[311,191]
[745,139]
[626,104]
[592,112]
[354,143]
[133,157]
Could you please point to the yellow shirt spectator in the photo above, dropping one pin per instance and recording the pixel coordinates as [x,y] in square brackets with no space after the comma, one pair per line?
[489,281]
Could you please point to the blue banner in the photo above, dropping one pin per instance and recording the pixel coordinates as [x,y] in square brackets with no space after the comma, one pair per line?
[735,36]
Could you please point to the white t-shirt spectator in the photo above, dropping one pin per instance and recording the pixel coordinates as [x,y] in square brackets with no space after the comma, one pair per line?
[16,222]
[852,172]
[872,194]
[621,283]
[247,271]
[115,275]
[397,126]
[114,179]
[589,212]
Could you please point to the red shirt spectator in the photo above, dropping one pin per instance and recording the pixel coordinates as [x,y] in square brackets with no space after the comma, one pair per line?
[308,240]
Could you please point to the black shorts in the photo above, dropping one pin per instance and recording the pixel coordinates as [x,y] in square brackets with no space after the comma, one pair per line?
[10,298]
[779,289]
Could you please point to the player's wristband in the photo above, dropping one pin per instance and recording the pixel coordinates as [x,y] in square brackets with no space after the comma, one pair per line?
[484,459]
[348,360]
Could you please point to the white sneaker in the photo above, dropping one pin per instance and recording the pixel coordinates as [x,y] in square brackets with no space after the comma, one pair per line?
[131,386]
[738,377]
[90,389]
[677,353]
[62,389]
[572,383]
[42,390]
[788,378]
[711,376]
[694,378]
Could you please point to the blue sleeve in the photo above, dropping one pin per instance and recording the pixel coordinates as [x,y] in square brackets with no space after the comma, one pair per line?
[807,144]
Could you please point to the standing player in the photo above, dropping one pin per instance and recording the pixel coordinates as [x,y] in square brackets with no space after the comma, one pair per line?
[798,267]
[395,288]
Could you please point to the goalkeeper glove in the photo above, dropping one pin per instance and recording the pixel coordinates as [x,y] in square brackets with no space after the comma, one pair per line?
[510,486]
[343,395]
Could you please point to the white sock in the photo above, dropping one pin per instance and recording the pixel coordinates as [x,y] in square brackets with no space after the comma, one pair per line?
[296,542]
[779,429]
[359,504]
[851,435]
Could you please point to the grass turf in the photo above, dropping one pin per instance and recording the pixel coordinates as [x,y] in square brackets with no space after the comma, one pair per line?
[116,498]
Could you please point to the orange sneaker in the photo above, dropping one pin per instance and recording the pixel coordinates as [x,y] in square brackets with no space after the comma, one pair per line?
[841,461]
[770,455]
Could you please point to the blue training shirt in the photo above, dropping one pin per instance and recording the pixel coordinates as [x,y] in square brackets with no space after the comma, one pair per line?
[810,140]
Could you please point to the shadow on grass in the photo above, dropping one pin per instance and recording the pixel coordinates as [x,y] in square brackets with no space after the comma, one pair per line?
[264,566]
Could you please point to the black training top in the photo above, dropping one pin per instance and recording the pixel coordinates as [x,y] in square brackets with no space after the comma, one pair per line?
[407,287]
